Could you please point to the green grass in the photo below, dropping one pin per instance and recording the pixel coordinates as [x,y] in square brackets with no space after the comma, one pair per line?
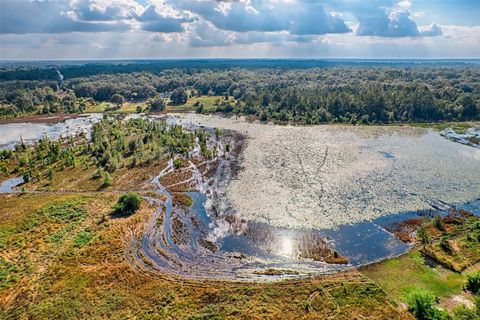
[459,127]
[209,103]
[402,275]
[83,238]
[131,107]
[68,211]
[101,107]
[466,249]
[8,273]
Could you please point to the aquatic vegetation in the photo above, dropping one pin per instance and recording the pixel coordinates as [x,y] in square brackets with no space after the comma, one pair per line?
[328,176]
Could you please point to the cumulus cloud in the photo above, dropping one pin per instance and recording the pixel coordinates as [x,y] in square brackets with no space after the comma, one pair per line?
[433,31]
[23,16]
[302,18]
[398,23]
[106,10]
[278,27]
[153,21]
[205,34]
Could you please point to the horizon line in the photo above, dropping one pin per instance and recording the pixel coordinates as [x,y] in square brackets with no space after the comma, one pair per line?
[4,61]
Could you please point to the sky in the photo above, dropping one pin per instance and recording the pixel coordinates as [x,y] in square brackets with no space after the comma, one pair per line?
[160,29]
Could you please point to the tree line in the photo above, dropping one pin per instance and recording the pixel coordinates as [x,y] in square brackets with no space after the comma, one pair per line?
[347,94]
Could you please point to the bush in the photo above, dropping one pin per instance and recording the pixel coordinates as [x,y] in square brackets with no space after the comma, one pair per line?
[82,239]
[177,163]
[445,245]
[461,312]
[157,105]
[26,176]
[423,235]
[107,180]
[473,282]
[438,223]
[421,304]
[127,204]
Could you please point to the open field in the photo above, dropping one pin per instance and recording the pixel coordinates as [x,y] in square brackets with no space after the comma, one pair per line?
[399,276]
[209,104]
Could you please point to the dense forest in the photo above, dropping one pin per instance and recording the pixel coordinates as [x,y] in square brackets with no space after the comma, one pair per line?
[355,93]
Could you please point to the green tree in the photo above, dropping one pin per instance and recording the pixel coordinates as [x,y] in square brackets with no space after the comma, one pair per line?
[177,163]
[50,174]
[473,282]
[27,176]
[107,179]
[117,99]
[157,104]
[423,235]
[179,96]
[128,204]
[438,223]
[445,244]
[421,303]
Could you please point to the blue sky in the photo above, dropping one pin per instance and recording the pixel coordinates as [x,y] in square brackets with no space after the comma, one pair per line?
[127,29]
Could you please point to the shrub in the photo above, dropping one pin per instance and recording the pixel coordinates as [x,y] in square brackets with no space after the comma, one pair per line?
[438,223]
[445,245]
[461,312]
[127,204]
[107,180]
[157,105]
[423,235]
[177,163]
[26,176]
[473,282]
[421,304]
[64,212]
[82,239]
[50,174]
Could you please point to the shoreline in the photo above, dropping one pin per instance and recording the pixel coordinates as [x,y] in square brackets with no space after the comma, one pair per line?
[41,118]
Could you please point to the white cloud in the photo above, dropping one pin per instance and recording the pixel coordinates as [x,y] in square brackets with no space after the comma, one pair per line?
[404,5]
[160,28]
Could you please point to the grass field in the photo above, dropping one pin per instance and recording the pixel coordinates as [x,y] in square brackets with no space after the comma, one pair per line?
[209,104]
[401,275]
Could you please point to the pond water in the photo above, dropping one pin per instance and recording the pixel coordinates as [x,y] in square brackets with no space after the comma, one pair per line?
[8,186]
[10,133]
[323,177]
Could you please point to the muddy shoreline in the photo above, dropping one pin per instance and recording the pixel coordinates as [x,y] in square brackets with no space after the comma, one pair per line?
[42,118]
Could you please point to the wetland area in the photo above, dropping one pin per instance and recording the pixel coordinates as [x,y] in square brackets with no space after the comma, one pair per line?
[247,207]
[286,202]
